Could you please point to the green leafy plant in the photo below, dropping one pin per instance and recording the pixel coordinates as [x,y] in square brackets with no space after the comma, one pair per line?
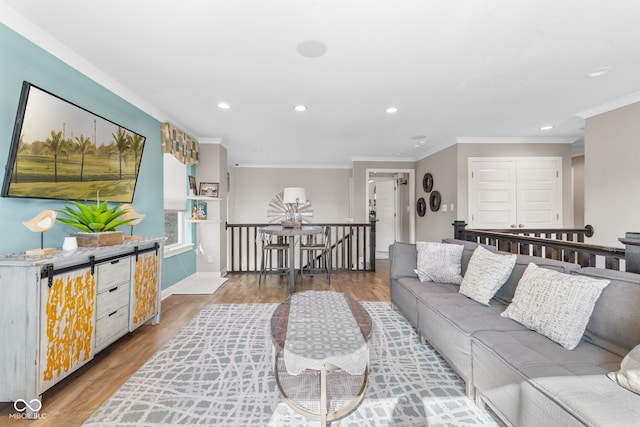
[93,218]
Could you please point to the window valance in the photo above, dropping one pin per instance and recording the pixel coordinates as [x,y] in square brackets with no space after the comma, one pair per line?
[184,147]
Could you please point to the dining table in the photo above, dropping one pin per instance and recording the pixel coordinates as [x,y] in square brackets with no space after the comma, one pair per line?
[291,233]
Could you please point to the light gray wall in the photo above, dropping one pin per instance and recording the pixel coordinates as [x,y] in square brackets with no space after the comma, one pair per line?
[213,237]
[449,170]
[612,174]
[253,188]
[577,175]
[435,226]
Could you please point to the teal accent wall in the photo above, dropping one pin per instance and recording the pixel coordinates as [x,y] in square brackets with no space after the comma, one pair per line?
[22,60]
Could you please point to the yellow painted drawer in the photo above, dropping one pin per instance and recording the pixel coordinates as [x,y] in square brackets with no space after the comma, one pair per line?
[112,299]
[113,273]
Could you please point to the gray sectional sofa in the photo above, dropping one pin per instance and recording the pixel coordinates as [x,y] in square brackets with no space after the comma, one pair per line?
[524,377]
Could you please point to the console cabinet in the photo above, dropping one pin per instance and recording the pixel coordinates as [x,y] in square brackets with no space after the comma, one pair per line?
[59,310]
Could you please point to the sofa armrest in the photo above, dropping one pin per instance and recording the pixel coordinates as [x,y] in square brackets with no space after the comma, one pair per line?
[403,258]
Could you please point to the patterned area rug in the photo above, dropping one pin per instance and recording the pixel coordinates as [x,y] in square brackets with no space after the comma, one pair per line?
[217,371]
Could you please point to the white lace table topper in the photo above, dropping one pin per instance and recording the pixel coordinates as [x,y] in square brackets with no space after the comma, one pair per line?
[321,330]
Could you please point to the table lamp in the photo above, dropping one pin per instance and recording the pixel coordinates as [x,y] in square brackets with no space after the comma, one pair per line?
[293,196]
[131,213]
[40,223]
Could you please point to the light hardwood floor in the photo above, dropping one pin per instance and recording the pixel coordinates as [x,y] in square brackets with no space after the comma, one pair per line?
[73,400]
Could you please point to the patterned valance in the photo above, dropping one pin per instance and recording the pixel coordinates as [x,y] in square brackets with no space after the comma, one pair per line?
[184,147]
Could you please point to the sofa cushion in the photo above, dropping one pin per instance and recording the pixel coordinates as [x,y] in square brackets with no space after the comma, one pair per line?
[506,292]
[615,322]
[486,273]
[554,304]
[439,262]
[503,361]
[629,374]
[405,290]
[448,320]
[592,400]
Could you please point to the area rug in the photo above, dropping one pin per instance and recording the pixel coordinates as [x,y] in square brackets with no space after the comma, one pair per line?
[217,371]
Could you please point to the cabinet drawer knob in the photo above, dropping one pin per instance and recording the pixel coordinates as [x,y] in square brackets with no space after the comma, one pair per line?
[111,314]
[113,289]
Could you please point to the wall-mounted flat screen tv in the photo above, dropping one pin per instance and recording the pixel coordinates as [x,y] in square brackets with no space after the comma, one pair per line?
[62,151]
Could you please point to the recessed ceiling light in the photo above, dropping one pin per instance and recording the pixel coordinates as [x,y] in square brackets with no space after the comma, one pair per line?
[224,106]
[599,71]
[392,110]
[548,127]
[300,108]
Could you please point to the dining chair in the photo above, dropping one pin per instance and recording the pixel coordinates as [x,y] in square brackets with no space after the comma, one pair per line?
[318,253]
[271,245]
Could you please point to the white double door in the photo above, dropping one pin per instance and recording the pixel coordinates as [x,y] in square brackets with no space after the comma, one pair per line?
[515,192]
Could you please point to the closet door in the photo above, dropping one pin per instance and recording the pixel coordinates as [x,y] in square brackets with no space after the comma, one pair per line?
[523,192]
[538,188]
[492,193]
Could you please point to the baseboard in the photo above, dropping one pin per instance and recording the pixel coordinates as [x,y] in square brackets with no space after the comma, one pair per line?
[198,275]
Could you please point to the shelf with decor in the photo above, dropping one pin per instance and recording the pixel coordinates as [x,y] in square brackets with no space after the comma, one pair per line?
[199,209]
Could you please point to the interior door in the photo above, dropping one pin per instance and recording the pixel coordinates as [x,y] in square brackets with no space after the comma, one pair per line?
[385,214]
[538,191]
[492,194]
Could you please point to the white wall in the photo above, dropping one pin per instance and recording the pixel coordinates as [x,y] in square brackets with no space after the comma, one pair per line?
[612,174]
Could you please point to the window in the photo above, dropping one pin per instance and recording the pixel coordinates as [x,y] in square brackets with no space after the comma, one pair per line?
[175,201]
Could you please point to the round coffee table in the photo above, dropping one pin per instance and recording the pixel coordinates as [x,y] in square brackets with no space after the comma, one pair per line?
[324,392]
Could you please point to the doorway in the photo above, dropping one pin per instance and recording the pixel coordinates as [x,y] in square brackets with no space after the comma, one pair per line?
[390,196]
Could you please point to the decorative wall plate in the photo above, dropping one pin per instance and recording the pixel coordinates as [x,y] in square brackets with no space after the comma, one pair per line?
[427,182]
[434,201]
[421,206]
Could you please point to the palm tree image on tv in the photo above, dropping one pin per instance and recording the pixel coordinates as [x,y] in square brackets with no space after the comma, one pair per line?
[66,152]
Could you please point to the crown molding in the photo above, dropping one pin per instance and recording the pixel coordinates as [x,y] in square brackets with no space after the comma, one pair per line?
[610,106]
[516,140]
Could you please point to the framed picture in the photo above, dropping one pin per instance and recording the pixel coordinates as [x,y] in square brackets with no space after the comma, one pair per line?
[60,150]
[210,189]
[192,185]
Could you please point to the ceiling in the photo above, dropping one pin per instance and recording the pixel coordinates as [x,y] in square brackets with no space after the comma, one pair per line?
[456,70]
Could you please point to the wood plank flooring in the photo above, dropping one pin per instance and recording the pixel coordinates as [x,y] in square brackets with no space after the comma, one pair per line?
[70,402]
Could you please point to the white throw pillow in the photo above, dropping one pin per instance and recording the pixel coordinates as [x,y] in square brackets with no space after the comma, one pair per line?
[629,374]
[485,274]
[439,262]
[554,304]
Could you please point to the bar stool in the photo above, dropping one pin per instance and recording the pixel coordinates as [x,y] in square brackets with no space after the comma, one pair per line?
[270,245]
[317,252]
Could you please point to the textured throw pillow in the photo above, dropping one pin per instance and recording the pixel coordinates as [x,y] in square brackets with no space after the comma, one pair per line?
[439,262]
[485,274]
[554,304]
[629,374]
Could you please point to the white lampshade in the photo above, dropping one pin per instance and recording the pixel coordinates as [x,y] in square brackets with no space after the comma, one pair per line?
[294,195]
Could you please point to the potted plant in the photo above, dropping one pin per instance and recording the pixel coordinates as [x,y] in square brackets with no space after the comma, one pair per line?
[96,222]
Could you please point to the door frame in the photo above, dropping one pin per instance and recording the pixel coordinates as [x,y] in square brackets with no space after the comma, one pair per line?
[412,196]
